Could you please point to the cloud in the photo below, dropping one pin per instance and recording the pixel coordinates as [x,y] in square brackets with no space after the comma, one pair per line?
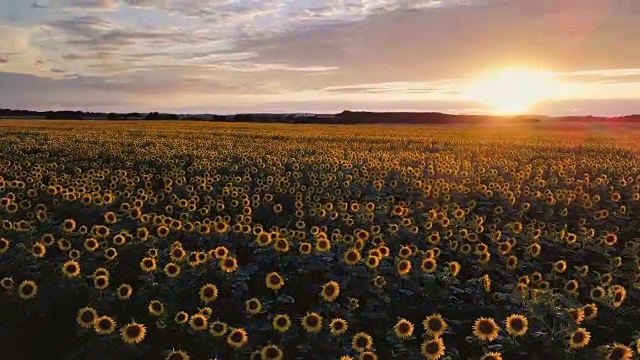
[423,45]
[442,86]
[265,54]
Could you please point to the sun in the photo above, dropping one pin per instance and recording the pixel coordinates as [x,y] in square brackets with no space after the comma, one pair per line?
[513,91]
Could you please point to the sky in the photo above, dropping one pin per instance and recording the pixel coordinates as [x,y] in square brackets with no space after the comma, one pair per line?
[221,56]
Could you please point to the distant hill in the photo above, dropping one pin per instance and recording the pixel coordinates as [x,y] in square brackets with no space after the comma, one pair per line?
[345,117]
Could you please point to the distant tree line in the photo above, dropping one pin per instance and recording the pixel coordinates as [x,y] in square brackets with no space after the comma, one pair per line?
[345,117]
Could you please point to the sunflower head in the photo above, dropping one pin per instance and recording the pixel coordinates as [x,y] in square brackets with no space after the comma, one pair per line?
[579,338]
[237,338]
[432,349]
[87,317]
[271,352]
[517,325]
[338,326]
[281,323]
[198,322]
[434,325]
[253,306]
[218,328]
[104,325]
[403,329]
[330,291]
[133,333]
[312,322]
[486,329]
[361,342]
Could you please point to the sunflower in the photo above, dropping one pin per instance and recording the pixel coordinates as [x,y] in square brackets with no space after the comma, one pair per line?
[68,225]
[379,281]
[104,325]
[263,239]
[38,250]
[590,311]
[454,268]
[517,325]
[367,355]
[281,245]
[110,217]
[100,272]
[338,326]
[7,283]
[156,307]
[142,234]
[208,293]
[162,231]
[559,266]
[491,356]
[486,329]
[434,325]
[274,281]
[403,329]
[571,287]
[330,291]
[229,264]
[535,249]
[577,315]
[597,293]
[148,264]
[198,322]
[218,328]
[101,282]
[373,261]
[281,323]
[484,257]
[610,239]
[133,333]
[253,306]
[512,262]
[619,352]
[384,251]
[404,267]
[237,338]
[429,265]
[312,322]
[361,342]
[486,283]
[110,253]
[305,248]
[352,256]
[579,338]
[177,355]
[346,357]
[271,352]
[323,245]
[181,317]
[172,270]
[70,269]
[617,294]
[432,349]
[177,254]
[4,245]
[206,311]
[86,317]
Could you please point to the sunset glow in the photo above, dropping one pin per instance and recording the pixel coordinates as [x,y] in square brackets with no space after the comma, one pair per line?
[513,91]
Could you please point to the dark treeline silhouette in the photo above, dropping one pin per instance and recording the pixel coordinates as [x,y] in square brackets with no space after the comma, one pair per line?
[345,117]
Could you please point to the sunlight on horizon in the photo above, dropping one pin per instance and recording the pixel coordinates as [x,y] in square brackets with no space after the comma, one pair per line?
[514,91]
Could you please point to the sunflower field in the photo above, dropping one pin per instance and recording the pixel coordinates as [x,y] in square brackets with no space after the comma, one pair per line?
[161,240]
